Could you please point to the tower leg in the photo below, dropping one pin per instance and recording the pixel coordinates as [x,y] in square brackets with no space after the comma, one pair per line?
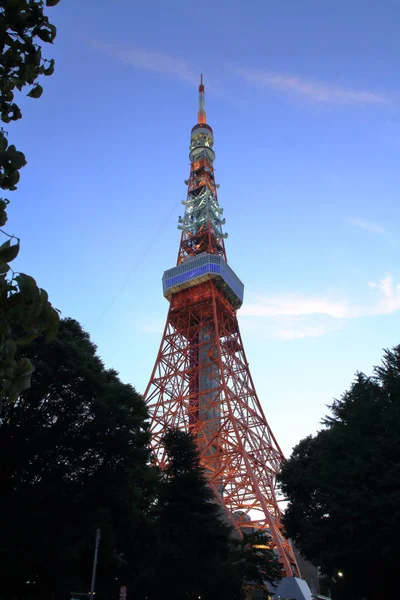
[201,383]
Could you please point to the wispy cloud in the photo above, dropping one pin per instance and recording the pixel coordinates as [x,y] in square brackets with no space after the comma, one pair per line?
[295,317]
[292,306]
[371,227]
[296,331]
[288,328]
[140,58]
[389,301]
[312,90]
[165,64]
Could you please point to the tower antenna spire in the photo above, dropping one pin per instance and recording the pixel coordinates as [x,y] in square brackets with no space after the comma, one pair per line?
[201,382]
[201,115]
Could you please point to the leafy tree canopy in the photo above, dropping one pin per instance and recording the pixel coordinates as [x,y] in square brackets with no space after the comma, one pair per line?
[75,457]
[343,487]
[25,311]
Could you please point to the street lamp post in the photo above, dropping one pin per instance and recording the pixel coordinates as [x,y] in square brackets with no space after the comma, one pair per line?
[96,553]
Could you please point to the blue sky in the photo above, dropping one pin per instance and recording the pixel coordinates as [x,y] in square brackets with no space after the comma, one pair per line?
[304,99]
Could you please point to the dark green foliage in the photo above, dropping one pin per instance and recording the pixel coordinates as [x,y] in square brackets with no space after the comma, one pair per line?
[25,312]
[196,552]
[255,562]
[23,27]
[343,487]
[75,457]
[193,544]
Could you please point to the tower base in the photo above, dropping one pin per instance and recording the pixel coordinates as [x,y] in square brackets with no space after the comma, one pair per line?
[292,588]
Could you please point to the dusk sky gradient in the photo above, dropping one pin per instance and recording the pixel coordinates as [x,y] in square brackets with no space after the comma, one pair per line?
[303,97]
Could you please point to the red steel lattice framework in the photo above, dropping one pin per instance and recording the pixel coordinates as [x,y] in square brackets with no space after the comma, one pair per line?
[201,380]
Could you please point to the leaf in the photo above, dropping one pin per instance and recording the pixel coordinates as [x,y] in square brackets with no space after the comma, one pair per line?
[28,287]
[44,297]
[54,325]
[36,91]
[53,30]
[14,303]
[16,158]
[47,35]
[25,281]
[36,57]
[22,379]
[3,142]
[19,83]
[44,35]
[52,2]
[8,252]
[10,181]
[9,369]
[4,268]
[24,367]
[16,112]
[50,69]
[27,339]
[10,348]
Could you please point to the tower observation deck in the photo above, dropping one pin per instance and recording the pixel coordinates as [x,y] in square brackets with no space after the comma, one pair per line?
[201,380]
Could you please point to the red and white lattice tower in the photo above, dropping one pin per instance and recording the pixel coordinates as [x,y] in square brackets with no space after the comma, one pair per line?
[201,380]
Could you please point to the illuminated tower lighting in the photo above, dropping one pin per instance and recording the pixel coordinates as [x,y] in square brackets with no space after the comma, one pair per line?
[201,380]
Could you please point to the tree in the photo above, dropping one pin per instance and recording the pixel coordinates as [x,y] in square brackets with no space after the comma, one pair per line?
[75,450]
[25,311]
[255,562]
[194,541]
[197,553]
[77,458]
[343,487]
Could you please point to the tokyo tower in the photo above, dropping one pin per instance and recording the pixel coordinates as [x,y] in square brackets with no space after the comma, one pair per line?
[201,380]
